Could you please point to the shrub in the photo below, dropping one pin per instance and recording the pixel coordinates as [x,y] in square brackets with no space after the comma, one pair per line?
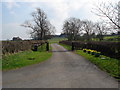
[16,46]
[111,49]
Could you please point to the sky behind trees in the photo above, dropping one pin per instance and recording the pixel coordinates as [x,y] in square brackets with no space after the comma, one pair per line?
[15,12]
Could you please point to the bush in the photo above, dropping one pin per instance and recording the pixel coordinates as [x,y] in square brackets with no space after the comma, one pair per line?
[111,49]
[16,46]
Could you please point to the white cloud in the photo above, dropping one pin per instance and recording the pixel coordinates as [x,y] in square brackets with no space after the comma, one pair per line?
[34,4]
[31,1]
[62,11]
[13,13]
[11,5]
[13,29]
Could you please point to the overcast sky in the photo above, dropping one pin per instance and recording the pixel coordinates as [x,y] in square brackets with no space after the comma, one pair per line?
[15,12]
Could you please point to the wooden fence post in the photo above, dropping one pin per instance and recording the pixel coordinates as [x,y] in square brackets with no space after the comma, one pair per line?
[47,46]
[73,46]
[35,47]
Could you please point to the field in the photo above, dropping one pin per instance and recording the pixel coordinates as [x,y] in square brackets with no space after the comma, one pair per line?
[112,38]
[56,40]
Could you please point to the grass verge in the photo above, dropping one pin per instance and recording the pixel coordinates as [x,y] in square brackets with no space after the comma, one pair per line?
[110,65]
[25,58]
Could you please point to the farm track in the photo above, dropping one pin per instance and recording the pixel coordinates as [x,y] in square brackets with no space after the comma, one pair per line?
[64,69]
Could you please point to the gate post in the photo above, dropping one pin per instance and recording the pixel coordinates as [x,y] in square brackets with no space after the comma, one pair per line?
[35,47]
[47,46]
[73,46]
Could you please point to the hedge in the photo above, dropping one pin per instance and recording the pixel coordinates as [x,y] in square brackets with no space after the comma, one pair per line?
[111,49]
[16,46]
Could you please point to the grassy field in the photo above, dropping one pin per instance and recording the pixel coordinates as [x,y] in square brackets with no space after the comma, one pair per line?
[25,58]
[115,38]
[107,64]
[109,37]
[112,38]
[56,40]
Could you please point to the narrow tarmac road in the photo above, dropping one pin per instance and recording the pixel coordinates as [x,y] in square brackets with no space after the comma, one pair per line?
[64,69]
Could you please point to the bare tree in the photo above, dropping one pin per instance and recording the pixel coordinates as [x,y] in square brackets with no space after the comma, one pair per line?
[101,29]
[40,26]
[110,12]
[88,29]
[72,27]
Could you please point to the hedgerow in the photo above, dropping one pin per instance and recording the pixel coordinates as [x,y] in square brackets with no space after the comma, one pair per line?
[16,46]
[111,49]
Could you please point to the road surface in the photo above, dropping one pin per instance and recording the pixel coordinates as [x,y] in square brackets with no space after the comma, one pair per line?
[64,69]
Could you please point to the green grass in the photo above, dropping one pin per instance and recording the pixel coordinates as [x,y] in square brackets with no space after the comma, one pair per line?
[25,58]
[56,40]
[115,38]
[109,37]
[42,48]
[112,38]
[110,65]
[66,46]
